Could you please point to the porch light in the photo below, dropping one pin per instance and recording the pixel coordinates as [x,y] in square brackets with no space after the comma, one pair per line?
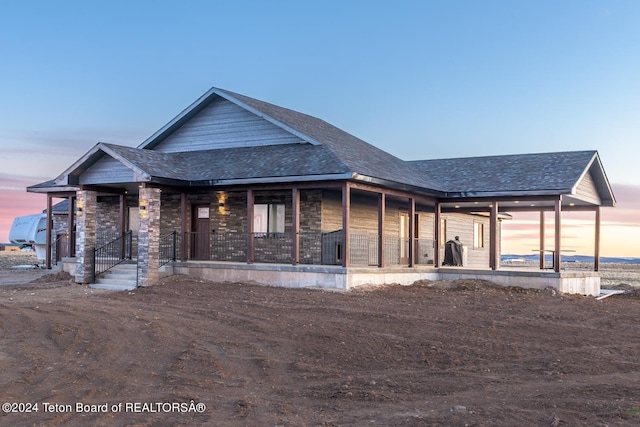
[79,206]
[143,206]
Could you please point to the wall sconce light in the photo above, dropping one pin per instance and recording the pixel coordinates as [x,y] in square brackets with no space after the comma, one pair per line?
[143,206]
[221,204]
[79,206]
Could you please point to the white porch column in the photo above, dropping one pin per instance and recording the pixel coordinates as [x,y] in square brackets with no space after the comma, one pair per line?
[86,214]
[149,237]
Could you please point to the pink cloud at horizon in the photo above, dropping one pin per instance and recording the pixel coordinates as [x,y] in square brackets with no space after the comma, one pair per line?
[619,233]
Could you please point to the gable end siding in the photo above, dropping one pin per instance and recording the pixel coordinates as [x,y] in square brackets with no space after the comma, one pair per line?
[587,190]
[223,124]
[106,170]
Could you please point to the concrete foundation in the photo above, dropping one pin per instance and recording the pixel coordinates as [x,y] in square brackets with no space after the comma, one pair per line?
[340,278]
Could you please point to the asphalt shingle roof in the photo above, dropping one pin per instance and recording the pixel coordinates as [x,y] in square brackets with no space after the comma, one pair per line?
[554,172]
[332,151]
[234,163]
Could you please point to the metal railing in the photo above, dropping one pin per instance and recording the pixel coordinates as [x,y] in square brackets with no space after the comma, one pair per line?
[168,248]
[315,248]
[111,254]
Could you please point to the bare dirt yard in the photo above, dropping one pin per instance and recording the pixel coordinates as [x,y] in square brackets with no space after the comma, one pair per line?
[189,352]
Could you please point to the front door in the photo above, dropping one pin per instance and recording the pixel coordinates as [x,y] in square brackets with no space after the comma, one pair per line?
[200,232]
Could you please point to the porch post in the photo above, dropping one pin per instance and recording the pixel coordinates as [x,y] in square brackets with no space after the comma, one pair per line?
[123,225]
[346,212]
[596,255]
[382,207]
[250,254]
[436,233]
[493,237]
[295,229]
[86,205]
[542,240]
[71,240]
[183,225]
[49,230]
[149,237]
[558,234]
[412,231]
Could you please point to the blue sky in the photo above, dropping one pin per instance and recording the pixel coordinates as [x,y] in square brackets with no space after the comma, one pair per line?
[420,79]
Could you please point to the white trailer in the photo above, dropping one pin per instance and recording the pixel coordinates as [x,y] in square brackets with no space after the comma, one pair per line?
[31,230]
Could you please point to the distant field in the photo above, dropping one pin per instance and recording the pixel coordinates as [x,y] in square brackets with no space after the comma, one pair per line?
[611,274]
[618,274]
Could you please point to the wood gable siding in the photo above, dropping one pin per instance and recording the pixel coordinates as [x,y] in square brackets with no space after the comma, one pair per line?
[106,170]
[222,124]
[587,190]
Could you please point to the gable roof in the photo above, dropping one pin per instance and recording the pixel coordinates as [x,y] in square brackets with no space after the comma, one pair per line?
[354,154]
[325,152]
[537,174]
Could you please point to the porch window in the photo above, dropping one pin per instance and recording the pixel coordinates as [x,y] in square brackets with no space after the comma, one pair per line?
[268,219]
[443,232]
[478,235]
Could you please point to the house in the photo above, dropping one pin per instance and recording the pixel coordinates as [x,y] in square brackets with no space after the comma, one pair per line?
[234,188]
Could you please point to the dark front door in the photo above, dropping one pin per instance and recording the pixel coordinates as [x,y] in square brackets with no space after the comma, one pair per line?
[201,232]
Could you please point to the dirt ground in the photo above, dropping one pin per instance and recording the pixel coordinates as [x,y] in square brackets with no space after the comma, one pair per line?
[190,352]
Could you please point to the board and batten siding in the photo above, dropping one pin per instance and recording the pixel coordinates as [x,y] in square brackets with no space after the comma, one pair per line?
[106,170]
[222,124]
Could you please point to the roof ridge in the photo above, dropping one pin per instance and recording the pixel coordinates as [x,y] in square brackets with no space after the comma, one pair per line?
[505,155]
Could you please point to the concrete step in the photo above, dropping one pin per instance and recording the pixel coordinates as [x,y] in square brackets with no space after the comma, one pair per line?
[122,277]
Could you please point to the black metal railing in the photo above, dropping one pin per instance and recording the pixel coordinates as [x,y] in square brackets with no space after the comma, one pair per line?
[315,248]
[168,248]
[111,254]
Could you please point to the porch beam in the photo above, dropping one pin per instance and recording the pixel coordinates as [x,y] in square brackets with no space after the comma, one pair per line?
[295,232]
[494,262]
[103,189]
[382,207]
[412,231]
[390,192]
[596,254]
[346,213]
[250,247]
[558,235]
[436,235]
[49,230]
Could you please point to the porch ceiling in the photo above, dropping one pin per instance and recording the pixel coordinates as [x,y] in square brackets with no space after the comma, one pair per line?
[516,204]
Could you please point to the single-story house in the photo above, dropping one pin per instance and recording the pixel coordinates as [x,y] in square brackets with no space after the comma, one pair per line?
[234,188]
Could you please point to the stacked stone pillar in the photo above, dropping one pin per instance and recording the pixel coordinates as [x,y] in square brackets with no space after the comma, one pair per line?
[149,237]
[86,210]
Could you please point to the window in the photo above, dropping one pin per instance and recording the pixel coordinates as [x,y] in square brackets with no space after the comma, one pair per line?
[443,232]
[268,219]
[478,235]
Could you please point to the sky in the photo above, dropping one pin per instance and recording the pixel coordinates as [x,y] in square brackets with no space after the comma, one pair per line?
[419,79]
